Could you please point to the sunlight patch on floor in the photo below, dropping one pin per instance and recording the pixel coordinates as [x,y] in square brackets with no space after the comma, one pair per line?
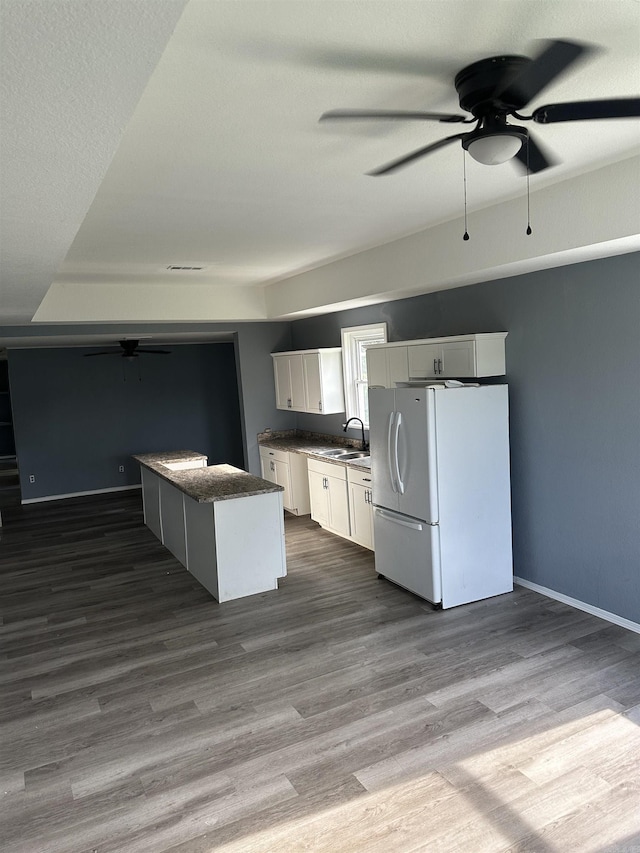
[535,792]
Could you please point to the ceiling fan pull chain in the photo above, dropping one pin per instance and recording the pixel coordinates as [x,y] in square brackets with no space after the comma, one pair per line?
[528,194]
[464,181]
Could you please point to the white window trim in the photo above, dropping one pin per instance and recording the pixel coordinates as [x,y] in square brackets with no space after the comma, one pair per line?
[352,337]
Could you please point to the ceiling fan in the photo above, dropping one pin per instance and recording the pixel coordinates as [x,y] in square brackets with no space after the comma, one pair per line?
[492,90]
[130,349]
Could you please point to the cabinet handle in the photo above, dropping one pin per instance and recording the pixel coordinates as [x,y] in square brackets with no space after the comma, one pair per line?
[435,365]
[289,402]
[366,479]
[320,405]
[439,365]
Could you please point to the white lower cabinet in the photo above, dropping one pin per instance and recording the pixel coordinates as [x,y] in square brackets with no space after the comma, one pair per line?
[361,507]
[288,470]
[329,496]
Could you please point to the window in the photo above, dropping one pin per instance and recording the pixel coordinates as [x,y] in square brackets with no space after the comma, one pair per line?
[355,341]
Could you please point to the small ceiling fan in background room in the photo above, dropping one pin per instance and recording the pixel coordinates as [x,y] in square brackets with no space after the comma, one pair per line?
[494,89]
[130,350]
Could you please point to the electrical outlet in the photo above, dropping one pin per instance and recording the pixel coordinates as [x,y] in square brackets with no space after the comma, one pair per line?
[32,478]
[121,469]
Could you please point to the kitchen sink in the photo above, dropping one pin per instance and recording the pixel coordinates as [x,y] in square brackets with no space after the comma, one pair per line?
[344,453]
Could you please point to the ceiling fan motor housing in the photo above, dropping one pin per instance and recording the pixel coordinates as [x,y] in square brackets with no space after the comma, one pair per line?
[478,83]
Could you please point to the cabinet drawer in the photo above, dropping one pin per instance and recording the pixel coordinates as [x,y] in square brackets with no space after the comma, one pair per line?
[272,453]
[361,478]
[328,469]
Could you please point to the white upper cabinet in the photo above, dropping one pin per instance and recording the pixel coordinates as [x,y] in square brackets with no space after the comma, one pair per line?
[459,357]
[289,379]
[309,381]
[387,365]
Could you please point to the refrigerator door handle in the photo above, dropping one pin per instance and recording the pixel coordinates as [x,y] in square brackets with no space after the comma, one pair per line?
[396,460]
[389,451]
[388,516]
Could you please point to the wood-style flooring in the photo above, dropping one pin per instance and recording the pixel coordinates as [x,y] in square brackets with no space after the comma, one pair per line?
[338,713]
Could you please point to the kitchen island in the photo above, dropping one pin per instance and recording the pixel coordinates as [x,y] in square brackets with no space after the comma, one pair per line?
[223,524]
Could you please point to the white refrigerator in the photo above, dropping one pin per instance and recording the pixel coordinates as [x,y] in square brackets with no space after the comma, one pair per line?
[441,490]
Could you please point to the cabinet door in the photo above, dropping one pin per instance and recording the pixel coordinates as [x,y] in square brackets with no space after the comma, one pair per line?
[398,365]
[458,359]
[296,372]
[361,515]
[282,478]
[312,382]
[289,381]
[338,506]
[377,373]
[424,361]
[265,468]
[282,375]
[319,498]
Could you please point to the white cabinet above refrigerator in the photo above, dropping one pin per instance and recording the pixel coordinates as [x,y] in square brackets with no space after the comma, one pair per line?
[457,357]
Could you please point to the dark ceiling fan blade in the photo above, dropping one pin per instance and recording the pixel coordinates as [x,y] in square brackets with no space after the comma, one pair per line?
[379,62]
[556,58]
[393,115]
[585,110]
[408,158]
[532,156]
[155,351]
[103,352]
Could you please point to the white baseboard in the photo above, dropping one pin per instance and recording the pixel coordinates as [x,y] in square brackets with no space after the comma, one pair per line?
[580,605]
[80,494]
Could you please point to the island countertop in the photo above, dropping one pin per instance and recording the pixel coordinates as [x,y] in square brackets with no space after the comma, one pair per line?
[205,484]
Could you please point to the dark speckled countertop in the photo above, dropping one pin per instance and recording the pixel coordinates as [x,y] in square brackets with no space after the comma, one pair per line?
[313,445]
[208,484]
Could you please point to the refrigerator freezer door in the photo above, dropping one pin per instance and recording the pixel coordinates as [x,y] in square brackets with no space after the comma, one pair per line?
[408,553]
[414,453]
[474,493]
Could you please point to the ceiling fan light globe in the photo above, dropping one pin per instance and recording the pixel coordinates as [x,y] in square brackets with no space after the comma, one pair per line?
[494,149]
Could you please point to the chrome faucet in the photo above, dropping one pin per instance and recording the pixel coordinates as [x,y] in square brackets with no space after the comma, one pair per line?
[365,444]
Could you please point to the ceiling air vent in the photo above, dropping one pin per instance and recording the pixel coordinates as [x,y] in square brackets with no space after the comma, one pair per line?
[184,268]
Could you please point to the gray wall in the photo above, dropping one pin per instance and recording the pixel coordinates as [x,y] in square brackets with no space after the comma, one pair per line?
[77,419]
[255,342]
[573,362]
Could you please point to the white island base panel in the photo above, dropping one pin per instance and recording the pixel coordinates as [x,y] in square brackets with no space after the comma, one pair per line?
[224,525]
[236,547]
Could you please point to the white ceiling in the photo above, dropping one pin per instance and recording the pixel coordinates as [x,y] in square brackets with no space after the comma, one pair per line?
[136,135]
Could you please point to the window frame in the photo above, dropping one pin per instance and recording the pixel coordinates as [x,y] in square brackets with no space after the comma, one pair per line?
[355,382]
